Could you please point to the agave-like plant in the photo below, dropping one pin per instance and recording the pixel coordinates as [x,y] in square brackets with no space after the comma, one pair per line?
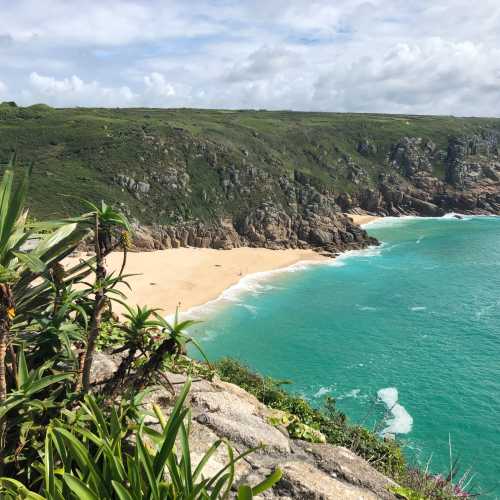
[174,340]
[36,393]
[139,325]
[98,459]
[25,257]
[106,222]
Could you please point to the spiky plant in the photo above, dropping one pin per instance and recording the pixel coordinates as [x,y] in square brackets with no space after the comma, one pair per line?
[25,257]
[140,324]
[107,224]
[114,457]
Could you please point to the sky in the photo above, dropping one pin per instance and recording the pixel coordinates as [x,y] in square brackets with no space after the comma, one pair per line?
[390,56]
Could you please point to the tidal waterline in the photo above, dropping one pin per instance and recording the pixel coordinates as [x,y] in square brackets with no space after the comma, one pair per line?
[412,326]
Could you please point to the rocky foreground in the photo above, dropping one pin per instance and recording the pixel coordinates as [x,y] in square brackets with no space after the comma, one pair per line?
[223,410]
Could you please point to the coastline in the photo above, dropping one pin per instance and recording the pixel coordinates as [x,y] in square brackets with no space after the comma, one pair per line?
[363,219]
[192,277]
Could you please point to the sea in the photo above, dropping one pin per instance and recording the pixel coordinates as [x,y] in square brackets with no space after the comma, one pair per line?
[405,336]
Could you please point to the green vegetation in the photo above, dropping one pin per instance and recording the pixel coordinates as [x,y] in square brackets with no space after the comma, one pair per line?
[57,440]
[82,151]
[91,455]
[384,455]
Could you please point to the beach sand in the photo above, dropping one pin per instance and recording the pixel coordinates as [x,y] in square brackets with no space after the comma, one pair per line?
[194,276]
[363,219]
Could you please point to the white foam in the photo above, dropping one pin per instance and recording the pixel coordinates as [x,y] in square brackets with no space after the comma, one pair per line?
[250,308]
[391,221]
[366,308]
[255,283]
[322,391]
[371,251]
[401,421]
[418,308]
[351,394]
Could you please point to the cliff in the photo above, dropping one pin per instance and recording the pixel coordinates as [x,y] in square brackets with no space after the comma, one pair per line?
[277,179]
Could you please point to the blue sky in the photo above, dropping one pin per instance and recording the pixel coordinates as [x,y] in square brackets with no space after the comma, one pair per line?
[395,56]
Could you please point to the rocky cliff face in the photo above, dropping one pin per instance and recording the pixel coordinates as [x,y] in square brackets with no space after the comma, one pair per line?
[294,213]
[223,410]
[470,184]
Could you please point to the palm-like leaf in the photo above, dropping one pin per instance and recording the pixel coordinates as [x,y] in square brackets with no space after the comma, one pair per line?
[97,458]
[20,266]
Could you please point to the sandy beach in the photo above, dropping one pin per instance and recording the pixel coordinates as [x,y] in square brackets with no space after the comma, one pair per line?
[194,276]
[363,219]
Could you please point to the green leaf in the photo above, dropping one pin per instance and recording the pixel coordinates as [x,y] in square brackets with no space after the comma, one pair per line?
[22,368]
[14,486]
[45,382]
[48,461]
[147,465]
[121,491]
[245,492]
[206,458]
[268,483]
[82,457]
[31,261]
[79,488]
[11,204]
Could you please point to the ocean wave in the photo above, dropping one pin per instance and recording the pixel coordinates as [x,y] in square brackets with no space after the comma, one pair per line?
[248,307]
[366,308]
[401,421]
[322,391]
[255,284]
[418,308]
[371,251]
[391,221]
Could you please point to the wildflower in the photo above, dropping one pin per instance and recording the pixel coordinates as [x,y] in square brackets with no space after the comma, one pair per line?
[125,239]
[11,313]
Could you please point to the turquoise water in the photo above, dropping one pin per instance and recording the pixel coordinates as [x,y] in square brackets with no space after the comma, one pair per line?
[416,319]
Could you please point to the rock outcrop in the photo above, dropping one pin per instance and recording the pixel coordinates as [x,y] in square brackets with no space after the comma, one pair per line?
[223,410]
[429,181]
[268,226]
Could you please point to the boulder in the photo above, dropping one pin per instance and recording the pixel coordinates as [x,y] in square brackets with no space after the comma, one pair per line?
[304,481]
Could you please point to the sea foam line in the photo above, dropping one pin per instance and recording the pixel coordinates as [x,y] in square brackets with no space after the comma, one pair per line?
[453,216]
[256,282]
[253,283]
[401,421]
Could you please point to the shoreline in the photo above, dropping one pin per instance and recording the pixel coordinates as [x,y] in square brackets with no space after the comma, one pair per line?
[197,277]
[363,219]
[193,277]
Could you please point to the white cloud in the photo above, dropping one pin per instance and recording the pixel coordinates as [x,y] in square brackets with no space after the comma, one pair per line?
[434,76]
[67,91]
[157,85]
[3,89]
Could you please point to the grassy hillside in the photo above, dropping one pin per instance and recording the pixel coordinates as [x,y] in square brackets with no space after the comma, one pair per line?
[80,152]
